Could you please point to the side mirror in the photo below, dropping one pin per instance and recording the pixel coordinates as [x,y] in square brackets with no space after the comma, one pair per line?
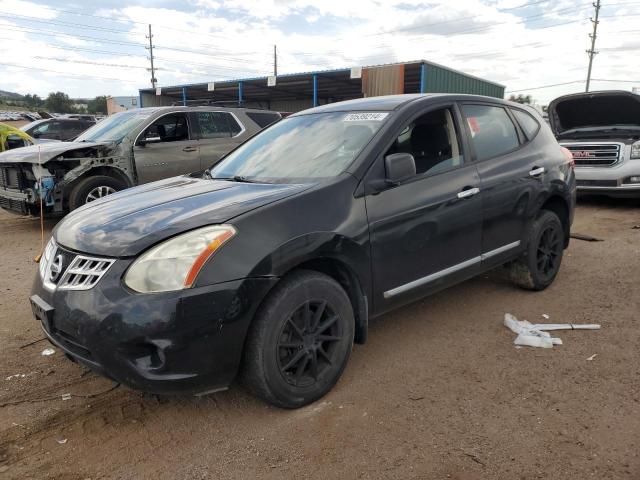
[399,167]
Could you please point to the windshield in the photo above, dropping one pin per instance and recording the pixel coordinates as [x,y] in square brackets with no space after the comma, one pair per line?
[300,148]
[114,128]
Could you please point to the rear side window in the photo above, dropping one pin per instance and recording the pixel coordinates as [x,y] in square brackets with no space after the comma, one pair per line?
[217,125]
[529,125]
[492,131]
[263,119]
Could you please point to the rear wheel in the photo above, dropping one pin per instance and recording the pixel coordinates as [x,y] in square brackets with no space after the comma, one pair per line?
[93,188]
[300,341]
[539,265]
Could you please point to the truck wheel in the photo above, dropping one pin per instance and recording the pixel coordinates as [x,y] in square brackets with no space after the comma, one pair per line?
[300,340]
[538,266]
[93,188]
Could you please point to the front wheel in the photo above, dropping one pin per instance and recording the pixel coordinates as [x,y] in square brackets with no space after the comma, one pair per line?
[93,188]
[539,265]
[300,341]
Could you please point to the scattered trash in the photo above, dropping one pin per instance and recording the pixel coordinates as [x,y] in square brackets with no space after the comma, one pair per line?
[48,351]
[536,335]
[61,441]
[586,238]
[635,227]
[17,375]
[592,357]
[546,316]
[416,398]
[66,396]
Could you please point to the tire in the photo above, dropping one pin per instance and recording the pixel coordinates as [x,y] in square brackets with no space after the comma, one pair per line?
[82,192]
[281,349]
[538,266]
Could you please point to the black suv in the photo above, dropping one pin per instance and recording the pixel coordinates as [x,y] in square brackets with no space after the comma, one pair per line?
[271,263]
[63,129]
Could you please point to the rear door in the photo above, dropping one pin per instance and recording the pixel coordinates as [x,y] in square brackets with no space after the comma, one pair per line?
[426,232]
[166,148]
[218,133]
[511,175]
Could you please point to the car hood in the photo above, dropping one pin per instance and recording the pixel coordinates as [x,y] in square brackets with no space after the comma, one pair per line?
[43,152]
[128,222]
[593,110]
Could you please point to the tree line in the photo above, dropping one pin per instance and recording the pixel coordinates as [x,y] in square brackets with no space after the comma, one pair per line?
[59,102]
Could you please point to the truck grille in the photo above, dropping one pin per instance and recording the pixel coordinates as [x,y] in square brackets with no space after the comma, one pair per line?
[12,177]
[592,155]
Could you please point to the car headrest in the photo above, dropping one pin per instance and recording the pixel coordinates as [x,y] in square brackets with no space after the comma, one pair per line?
[429,139]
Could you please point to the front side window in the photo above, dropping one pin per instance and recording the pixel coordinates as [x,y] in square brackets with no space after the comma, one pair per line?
[432,139]
[49,128]
[170,128]
[303,147]
[492,131]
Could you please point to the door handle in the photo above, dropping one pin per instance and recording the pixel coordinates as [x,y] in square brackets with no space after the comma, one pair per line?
[470,192]
[189,149]
[536,172]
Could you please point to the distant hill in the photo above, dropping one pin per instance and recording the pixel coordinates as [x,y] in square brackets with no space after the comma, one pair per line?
[10,95]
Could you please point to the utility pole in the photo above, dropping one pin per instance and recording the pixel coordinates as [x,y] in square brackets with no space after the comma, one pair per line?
[275,61]
[592,52]
[154,80]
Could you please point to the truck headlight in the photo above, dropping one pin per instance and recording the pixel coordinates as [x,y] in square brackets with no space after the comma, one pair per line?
[635,150]
[175,263]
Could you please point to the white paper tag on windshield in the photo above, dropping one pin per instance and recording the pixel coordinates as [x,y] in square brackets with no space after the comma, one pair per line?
[366,116]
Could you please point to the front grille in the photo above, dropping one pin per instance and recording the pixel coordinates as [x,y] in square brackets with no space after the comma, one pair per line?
[84,272]
[19,206]
[12,177]
[595,155]
[66,270]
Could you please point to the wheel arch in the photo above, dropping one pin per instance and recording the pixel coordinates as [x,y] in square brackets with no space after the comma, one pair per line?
[106,170]
[558,205]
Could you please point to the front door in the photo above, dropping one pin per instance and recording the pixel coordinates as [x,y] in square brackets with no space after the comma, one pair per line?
[426,232]
[166,148]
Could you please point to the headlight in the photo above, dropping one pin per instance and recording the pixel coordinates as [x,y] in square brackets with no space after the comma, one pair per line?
[635,150]
[175,263]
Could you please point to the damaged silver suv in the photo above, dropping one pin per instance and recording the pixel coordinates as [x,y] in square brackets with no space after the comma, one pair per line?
[602,132]
[126,149]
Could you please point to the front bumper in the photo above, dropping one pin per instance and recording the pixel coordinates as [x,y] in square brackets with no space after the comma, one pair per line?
[189,341]
[16,201]
[612,181]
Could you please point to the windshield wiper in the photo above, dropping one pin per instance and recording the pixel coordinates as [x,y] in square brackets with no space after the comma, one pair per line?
[235,178]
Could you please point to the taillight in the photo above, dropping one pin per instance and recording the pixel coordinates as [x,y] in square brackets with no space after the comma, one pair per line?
[569,156]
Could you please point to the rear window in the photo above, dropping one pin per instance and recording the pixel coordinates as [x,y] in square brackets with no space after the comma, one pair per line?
[263,119]
[492,131]
[529,125]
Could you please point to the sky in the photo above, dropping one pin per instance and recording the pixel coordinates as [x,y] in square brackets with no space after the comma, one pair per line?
[88,48]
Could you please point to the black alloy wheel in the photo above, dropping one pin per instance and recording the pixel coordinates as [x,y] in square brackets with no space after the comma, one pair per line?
[300,340]
[307,344]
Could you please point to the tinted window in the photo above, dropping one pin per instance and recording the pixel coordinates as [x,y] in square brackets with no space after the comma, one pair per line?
[233,124]
[433,142]
[529,125]
[492,131]
[170,128]
[263,119]
[214,124]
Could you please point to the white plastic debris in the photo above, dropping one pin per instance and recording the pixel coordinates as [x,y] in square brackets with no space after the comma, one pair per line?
[17,375]
[48,351]
[590,359]
[61,441]
[546,316]
[66,396]
[535,335]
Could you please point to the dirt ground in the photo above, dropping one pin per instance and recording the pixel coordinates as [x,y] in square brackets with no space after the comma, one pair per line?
[439,391]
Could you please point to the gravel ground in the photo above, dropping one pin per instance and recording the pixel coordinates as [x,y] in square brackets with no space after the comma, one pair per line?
[439,391]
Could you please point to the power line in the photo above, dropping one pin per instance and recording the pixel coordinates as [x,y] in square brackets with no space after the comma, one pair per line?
[64,74]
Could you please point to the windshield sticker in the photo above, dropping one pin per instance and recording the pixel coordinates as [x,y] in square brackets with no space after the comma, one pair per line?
[367,116]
